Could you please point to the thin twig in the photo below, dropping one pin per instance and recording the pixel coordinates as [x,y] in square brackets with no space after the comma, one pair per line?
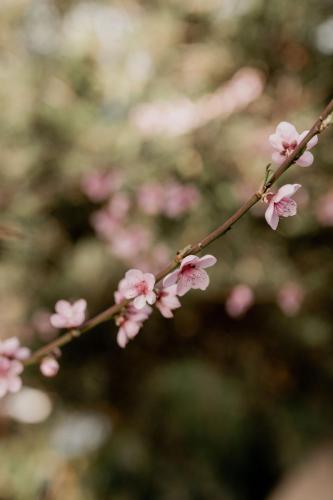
[324,120]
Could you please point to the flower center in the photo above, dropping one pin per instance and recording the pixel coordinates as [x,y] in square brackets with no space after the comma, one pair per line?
[142,288]
[288,148]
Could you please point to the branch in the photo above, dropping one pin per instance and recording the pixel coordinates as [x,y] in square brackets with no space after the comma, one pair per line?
[317,128]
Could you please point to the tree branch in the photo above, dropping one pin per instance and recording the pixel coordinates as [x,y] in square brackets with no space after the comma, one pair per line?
[319,126]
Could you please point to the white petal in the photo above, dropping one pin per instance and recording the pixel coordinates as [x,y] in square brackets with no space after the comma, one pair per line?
[286,191]
[207,261]
[287,132]
[171,278]
[271,216]
[58,321]
[184,284]
[278,158]
[139,302]
[305,160]
[150,280]
[151,298]
[190,259]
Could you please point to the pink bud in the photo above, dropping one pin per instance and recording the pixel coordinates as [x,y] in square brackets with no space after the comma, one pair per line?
[49,366]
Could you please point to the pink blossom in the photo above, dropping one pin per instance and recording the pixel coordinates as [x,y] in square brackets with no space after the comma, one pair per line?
[11,355]
[239,300]
[179,199]
[41,323]
[140,287]
[281,204]
[69,315]
[284,142]
[151,198]
[131,319]
[324,209]
[167,301]
[106,221]
[191,274]
[11,348]
[49,366]
[99,185]
[128,242]
[290,298]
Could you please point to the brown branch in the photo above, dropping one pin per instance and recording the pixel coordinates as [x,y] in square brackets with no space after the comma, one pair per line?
[319,126]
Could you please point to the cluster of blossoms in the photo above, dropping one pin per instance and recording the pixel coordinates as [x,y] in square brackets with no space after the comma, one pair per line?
[131,242]
[137,291]
[284,142]
[171,200]
[11,357]
[140,288]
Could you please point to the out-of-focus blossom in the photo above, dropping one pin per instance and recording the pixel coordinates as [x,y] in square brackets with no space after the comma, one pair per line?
[69,315]
[284,142]
[11,348]
[151,198]
[191,274]
[179,199]
[180,117]
[11,356]
[167,301]
[239,300]
[49,366]
[129,242]
[106,221]
[290,298]
[324,209]
[140,287]
[41,323]
[98,186]
[281,204]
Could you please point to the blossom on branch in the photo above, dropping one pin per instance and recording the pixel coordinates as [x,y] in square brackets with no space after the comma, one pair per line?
[285,141]
[49,366]
[140,287]
[11,357]
[280,204]
[167,301]
[69,315]
[191,274]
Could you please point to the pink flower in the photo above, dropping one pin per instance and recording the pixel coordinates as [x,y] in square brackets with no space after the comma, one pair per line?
[11,348]
[11,355]
[239,301]
[167,301]
[290,298]
[280,204]
[69,315]
[179,199]
[128,242]
[49,366]
[140,287]
[191,274]
[106,221]
[151,197]
[99,185]
[286,139]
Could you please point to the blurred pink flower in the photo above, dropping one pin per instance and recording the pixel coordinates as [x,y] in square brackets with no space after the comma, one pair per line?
[190,274]
[179,199]
[129,242]
[69,315]
[151,198]
[12,349]
[239,300]
[11,355]
[140,287]
[107,220]
[324,209]
[99,185]
[290,298]
[285,141]
[49,366]
[167,301]
[280,204]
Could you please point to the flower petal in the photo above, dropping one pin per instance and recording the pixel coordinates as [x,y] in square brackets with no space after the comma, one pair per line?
[305,160]
[122,338]
[286,191]
[151,298]
[184,284]
[150,280]
[189,259]
[287,132]
[278,158]
[271,216]
[200,279]
[131,328]
[207,261]
[171,279]
[63,307]
[58,321]
[139,302]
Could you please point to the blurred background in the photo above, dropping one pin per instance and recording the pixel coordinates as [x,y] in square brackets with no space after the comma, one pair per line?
[129,129]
